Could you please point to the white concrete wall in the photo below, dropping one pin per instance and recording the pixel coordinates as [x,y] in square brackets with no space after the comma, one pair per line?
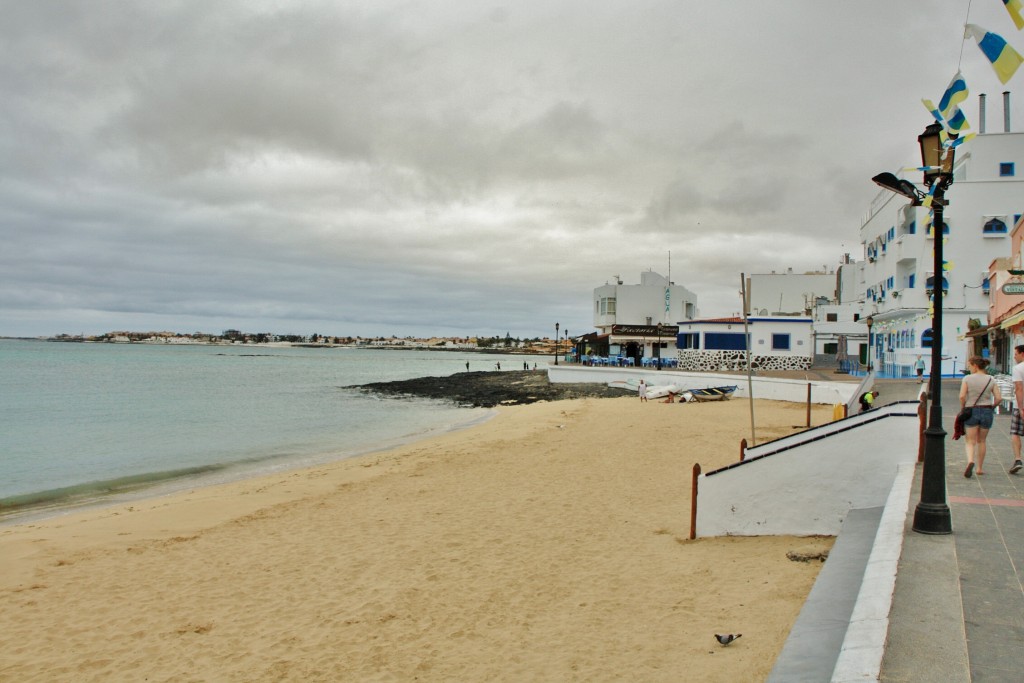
[789,293]
[771,388]
[806,484]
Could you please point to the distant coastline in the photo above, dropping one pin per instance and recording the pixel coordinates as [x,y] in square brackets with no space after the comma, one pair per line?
[495,345]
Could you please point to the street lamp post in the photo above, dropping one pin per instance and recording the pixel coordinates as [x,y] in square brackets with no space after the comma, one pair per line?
[869,321]
[556,343]
[657,353]
[931,516]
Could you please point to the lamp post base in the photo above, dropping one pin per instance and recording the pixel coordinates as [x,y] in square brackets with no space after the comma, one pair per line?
[932,518]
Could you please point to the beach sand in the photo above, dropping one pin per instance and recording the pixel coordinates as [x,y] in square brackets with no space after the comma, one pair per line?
[548,544]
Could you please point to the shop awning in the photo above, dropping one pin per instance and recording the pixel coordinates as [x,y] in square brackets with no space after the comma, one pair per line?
[1014,319]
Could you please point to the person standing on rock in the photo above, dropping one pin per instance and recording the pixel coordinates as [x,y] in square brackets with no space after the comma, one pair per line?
[641,391]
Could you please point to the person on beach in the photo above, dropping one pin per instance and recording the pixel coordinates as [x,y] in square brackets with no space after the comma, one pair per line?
[919,366]
[981,394]
[1016,421]
[641,391]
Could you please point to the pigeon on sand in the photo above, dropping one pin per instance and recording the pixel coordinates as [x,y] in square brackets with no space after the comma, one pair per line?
[727,638]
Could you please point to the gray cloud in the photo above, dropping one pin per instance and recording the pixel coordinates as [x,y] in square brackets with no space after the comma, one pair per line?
[384,167]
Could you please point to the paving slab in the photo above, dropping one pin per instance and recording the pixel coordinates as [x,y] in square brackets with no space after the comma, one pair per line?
[958,605]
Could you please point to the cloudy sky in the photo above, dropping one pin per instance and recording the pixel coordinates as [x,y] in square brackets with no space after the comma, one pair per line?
[452,167]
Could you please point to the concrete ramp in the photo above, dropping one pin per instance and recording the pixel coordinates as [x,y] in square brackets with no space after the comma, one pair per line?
[806,484]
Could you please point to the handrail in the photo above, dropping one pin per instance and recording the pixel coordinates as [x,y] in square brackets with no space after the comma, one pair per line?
[823,430]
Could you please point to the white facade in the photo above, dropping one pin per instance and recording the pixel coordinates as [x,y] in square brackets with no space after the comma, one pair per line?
[782,343]
[655,300]
[788,293]
[630,315]
[987,193]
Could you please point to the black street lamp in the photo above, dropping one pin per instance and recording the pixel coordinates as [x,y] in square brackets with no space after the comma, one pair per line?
[931,516]
[657,351]
[556,343]
[869,321]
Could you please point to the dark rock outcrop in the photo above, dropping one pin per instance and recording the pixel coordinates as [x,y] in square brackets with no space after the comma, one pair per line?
[489,389]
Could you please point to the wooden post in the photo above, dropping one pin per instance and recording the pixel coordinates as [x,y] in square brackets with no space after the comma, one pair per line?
[743,449]
[808,405]
[693,501]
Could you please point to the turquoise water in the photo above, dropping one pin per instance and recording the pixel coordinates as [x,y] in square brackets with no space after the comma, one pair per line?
[80,421]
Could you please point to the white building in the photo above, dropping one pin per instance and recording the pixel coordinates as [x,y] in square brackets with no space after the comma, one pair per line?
[985,200]
[788,293]
[780,343]
[639,321]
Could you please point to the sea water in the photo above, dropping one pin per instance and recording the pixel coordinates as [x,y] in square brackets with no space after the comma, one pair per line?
[81,421]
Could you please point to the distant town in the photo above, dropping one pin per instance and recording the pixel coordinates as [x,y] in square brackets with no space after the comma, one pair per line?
[506,344]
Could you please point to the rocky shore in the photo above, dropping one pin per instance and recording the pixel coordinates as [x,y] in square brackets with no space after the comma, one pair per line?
[489,389]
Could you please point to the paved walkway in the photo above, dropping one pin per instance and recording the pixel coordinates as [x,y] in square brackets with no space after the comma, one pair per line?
[958,606]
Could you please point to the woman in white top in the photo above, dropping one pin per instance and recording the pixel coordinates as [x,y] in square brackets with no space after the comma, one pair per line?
[981,394]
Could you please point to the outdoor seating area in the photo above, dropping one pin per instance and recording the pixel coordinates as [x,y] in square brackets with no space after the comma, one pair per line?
[626,362]
[611,361]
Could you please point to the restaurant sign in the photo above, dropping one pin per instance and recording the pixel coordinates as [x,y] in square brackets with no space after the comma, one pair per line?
[645,330]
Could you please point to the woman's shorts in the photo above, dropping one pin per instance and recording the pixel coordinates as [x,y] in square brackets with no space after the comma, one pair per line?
[981,416]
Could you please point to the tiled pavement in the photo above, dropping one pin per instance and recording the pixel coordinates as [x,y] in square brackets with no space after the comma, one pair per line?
[958,608]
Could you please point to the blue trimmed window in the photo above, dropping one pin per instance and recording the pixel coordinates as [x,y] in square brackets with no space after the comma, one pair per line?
[780,342]
[689,340]
[1006,169]
[929,284]
[994,227]
[926,339]
[725,341]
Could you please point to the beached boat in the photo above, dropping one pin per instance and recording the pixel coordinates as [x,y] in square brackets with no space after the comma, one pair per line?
[663,390]
[713,393]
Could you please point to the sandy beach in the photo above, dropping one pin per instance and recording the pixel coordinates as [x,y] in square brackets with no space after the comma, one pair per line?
[548,544]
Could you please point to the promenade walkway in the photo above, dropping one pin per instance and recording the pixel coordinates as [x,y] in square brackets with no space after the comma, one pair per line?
[958,606]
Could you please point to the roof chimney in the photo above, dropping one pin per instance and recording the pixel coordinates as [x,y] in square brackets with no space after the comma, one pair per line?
[1006,111]
[981,113]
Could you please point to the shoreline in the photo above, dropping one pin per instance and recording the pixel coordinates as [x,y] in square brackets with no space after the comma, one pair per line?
[477,389]
[96,495]
[548,542]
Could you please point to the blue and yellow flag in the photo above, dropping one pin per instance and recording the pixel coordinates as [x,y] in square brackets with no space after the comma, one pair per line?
[948,111]
[956,92]
[1014,8]
[1004,58]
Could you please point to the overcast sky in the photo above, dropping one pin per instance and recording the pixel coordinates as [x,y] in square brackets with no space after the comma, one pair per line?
[452,168]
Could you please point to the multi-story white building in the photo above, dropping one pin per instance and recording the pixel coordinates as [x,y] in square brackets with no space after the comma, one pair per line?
[638,321]
[985,201]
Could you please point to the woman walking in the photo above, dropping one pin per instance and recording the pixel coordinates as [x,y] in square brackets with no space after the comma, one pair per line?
[980,394]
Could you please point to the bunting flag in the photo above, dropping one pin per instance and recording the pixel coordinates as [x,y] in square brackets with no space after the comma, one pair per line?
[949,105]
[1004,58]
[948,112]
[953,144]
[1014,8]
